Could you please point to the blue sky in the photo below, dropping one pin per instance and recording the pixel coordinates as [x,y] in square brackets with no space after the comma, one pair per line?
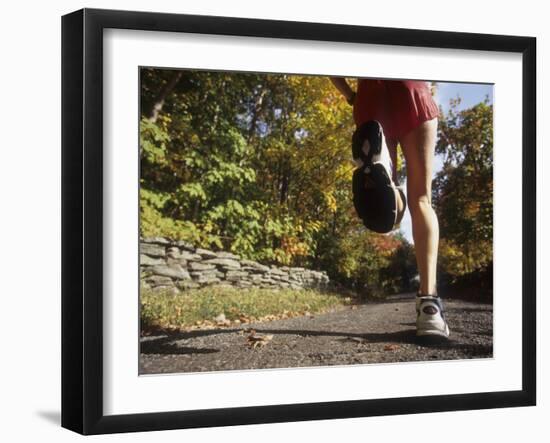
[471,94]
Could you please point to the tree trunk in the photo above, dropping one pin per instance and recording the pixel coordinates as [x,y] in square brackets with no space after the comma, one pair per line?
[158,103]
[255,114]
[285,182]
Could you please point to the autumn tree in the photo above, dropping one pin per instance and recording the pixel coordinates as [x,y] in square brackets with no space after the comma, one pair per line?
[463,189]
[258,164]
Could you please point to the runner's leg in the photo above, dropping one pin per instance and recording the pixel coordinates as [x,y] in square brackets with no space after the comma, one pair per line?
[418,148]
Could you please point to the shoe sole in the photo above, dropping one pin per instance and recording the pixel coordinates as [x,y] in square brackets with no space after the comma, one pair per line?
[433,333]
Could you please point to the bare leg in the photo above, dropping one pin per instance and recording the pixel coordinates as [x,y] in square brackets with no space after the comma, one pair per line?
[418,148]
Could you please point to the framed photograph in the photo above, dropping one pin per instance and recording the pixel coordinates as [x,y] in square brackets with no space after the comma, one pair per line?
[268,221]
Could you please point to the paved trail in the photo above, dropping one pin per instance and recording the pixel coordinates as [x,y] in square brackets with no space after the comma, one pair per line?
[369,333]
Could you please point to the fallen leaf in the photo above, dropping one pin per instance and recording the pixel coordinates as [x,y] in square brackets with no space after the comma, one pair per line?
[221,320]
[247,331]
[255,341]
[391,347]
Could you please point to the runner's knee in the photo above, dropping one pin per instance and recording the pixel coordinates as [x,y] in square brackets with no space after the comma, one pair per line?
[419,203]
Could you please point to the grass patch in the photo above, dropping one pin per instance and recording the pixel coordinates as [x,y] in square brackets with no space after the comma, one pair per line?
[202,307]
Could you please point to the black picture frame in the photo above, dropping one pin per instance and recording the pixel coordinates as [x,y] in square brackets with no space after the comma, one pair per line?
[82,218]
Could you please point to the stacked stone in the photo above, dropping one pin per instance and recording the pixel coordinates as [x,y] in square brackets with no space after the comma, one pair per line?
[178,266]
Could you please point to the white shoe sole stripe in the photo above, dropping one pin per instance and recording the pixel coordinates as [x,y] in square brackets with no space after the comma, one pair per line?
[437,332]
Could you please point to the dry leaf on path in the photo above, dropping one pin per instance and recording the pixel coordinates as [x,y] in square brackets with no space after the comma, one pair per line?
[391,347]
[255,341]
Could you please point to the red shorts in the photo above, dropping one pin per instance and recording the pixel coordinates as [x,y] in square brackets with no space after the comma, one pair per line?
[399,106]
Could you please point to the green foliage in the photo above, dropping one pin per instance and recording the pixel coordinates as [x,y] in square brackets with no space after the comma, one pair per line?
[256,164]
[260,164]
[153,142]
[464,190]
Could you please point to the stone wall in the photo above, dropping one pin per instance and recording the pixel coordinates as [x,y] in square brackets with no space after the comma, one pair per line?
[177,265]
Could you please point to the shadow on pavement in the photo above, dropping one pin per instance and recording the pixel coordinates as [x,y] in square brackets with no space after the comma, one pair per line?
[166,344]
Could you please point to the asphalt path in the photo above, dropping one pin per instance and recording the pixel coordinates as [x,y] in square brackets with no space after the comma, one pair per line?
[378,332]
